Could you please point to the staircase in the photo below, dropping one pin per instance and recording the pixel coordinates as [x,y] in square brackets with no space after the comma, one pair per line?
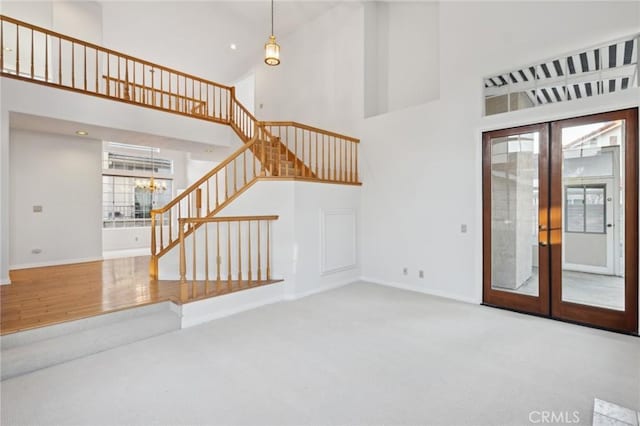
[270,150]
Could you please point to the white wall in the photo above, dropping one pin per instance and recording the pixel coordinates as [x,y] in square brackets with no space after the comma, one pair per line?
[80,19]
[61,174]
[421,166]
[298,237]
[319,81]
[401,55]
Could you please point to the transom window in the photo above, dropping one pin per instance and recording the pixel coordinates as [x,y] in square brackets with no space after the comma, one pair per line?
[607,68]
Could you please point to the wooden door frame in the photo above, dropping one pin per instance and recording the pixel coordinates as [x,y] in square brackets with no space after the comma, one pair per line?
[536,305]
[627,320]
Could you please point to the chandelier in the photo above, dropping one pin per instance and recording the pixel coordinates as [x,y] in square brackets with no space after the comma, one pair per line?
[272,49]
[150,184]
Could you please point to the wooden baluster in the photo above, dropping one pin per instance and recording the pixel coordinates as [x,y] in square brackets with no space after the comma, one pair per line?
[209,198]
[161,235]
[239,251]
[198,202]
[170,226]
[97,87]
[154,249]
[189,202]
[59,61]
[46,57]
[244,160]
[295,153]
[335,158]
[183,256]
[259,250]
[323,158]
[262,143]
[235,176]
[73,65]
[85,68]
[108,74]
[127,95]
[119,79]
[226,182]
[302,163]
[217,201]
[193,255]
[229,252]
[279,151]
[193,94]
[356,169]
[268,250]
[18,50]
[161,89]
[316,140]
[32,55]
[218,258]
[170,96]
[2,46]
[232,97]
[250,275]
[206,257]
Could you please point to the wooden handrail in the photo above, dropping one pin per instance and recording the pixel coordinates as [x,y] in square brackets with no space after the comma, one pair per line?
[204,178]
[227,219]
[310,128]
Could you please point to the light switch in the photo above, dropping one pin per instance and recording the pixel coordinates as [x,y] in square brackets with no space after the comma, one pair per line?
[463,228]
[37,209]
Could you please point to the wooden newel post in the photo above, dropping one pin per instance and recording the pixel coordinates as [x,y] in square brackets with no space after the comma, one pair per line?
[153,266]
[183,256]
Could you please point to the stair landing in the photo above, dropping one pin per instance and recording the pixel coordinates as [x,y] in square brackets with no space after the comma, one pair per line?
[39,297]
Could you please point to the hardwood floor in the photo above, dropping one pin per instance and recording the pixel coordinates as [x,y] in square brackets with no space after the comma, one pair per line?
[54,294]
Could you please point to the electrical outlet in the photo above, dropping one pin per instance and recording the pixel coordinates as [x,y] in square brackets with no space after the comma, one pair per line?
[405,271]
[421,274]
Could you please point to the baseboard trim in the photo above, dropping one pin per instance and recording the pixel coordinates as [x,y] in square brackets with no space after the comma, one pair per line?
[55,263]
[322,289]
[202,311]
[423,291]
[5,281]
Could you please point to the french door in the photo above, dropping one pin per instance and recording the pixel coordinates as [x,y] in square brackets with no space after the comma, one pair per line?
[560,219]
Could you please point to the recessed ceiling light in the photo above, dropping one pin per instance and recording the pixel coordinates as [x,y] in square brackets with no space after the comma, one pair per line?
[81,133]
[233,46]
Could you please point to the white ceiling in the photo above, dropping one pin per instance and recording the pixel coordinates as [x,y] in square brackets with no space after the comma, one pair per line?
[201,151]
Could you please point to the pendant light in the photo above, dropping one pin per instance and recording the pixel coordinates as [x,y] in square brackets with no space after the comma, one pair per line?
[271,49]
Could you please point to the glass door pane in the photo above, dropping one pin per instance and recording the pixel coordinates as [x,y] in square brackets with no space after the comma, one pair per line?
[514,213]
[593,209]
[594,220]
[515,217]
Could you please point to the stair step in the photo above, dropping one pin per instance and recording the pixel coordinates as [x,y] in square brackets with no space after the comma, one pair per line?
[26,351]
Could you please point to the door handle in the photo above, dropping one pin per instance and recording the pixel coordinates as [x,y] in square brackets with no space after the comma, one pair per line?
[609,225]
[543,244]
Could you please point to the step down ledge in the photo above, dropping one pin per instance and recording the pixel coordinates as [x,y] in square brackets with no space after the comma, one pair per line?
[26,337]
[40,354]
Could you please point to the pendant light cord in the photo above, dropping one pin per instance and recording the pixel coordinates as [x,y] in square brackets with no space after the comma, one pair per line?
[271,17]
